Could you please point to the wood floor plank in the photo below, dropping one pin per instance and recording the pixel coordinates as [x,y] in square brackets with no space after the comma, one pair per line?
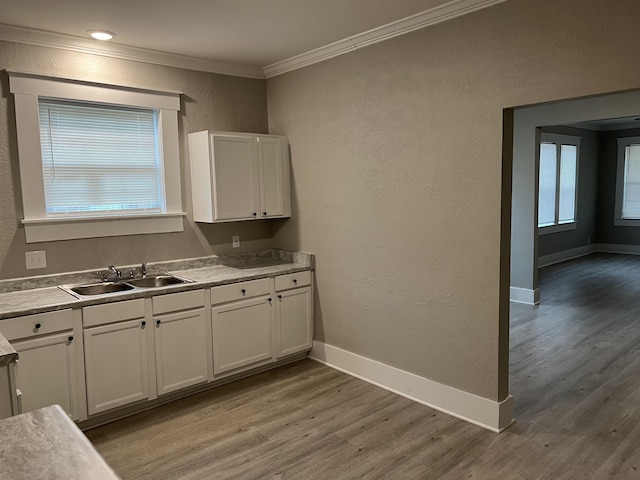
[575,376]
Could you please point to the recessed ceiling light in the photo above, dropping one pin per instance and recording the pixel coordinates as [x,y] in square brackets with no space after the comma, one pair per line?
[101,34]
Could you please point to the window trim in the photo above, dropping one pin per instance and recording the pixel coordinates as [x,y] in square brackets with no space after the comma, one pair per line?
[26,88]
[618,220]
[559,139]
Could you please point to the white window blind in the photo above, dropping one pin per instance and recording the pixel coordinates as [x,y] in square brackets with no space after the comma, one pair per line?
[631,196]
[99,159]
[557,186]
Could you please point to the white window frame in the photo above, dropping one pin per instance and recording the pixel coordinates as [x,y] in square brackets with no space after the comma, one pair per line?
[26,89]
[559,139]
[618,220]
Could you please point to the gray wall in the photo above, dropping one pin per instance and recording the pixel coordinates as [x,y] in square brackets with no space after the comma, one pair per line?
[585,231]
[209,102]
[399,182]
[607,232]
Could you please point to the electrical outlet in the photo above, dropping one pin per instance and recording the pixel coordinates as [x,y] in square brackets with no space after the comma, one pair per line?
[236,241]
[36,259]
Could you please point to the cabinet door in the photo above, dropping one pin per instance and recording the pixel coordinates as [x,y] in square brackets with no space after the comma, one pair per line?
[7,392]
[235,177]
[273,163]
[181,350]
[116,364]
[294,321]
[46,372]
[242,334]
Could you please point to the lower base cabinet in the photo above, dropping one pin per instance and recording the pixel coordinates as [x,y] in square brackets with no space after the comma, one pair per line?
[8,400]
[180,339]
[116,364]
[49,367]
[242,334]
[46,372]
[294,325]
[116,342]
[138,349]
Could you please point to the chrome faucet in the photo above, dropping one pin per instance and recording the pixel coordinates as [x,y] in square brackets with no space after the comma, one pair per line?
[143,269]
[117,272]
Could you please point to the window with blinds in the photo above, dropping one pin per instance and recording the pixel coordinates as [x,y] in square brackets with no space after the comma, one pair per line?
[557,188]
[99,160]
[631,189]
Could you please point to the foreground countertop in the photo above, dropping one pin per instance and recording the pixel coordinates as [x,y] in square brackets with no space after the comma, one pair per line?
[46,444]
[204,273]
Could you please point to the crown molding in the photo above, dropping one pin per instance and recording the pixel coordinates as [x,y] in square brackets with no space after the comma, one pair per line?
[442,13]
[44,38]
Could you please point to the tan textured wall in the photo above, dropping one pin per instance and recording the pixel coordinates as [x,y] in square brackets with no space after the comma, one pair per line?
[397,175]
[215,102]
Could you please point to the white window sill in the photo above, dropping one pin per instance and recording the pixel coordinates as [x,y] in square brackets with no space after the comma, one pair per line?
[563,227]
[47,230]
[626,222]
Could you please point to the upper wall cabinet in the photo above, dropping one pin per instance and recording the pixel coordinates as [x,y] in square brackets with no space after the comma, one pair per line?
[239,176]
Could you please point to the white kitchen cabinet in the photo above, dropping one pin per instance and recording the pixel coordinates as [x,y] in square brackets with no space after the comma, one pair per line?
[8,399]
[50,361]
[242,328]
[294,313]
[239,176]
[182,352]
[117,339]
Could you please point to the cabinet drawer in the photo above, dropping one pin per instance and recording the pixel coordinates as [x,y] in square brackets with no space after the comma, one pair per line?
[293,280]
[238,291]
[173,302]
[37,324]
[112,312]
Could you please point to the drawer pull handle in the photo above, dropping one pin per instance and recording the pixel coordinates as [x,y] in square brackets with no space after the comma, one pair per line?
[144,324]
[158,322]
[38,325]
[244,291]
[264,213]
[295,280]
[71,338]
[280,296]
[254,214]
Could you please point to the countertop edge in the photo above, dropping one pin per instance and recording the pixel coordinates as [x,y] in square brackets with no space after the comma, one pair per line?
[7,352]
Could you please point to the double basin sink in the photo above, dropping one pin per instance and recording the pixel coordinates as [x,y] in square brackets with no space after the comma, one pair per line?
[153,281]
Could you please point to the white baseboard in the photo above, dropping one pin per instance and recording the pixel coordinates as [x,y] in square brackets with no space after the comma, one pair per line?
[565,255]
[492,415]
[524,295]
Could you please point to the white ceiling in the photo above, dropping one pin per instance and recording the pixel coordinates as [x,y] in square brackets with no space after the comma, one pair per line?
[252,34]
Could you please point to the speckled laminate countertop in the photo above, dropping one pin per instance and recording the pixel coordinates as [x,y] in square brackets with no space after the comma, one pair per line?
[204,272]
[46,444]
[7,353]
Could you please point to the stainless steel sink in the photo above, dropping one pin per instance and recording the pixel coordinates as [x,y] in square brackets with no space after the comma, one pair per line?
[105,288]
[98,288]
[157,281]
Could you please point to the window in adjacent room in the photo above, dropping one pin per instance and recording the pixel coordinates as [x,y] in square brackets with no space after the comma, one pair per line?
[558,177]
[627,208]
[96,160]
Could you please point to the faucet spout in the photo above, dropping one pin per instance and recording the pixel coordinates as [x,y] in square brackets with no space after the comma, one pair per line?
[117,272]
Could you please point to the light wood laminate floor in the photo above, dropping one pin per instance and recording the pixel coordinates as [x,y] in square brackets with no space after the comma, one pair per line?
[575,375]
